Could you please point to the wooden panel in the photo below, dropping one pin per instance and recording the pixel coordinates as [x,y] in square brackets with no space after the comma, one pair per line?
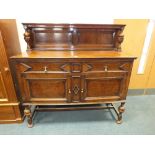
[5,73]
[3,94]
[112,87]
[104,86]
[51,38]
[87,36]
[94,38]
[47,87]
[107,65]
[76,88]
[73,36]
[106,38]
[7,113]
[49,66]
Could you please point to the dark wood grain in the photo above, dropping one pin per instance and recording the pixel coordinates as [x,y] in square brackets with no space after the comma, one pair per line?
[72,68]
[73,36]
[106,77]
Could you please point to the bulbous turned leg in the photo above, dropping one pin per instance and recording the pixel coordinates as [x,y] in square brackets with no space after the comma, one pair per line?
[121,109]
[28,114]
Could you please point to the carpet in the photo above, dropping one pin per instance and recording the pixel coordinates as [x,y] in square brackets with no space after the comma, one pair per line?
[138,119]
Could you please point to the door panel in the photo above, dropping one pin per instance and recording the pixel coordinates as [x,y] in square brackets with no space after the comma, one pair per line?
[95,38]
[104,86]
[48,88]
[7,92]
[51,38]
[112,87]
[45,87]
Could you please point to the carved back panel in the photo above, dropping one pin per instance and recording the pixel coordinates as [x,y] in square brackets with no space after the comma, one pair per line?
[73,36]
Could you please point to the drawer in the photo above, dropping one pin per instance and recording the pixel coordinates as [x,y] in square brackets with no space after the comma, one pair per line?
[107,66]
[52,66]
[45,66]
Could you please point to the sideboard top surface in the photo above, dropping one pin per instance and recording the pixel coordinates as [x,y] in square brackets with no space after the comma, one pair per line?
[74,54]
[66,25]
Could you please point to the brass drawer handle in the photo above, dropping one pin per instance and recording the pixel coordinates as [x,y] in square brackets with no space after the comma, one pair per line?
[45,69]
[105,68]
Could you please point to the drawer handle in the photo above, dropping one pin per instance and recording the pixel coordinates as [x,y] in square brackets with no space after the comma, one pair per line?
[82,90]
[105,68]
[45,69]
[69,91]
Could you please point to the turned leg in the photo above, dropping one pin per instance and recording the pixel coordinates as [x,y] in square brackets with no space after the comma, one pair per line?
[28,114]
[121,109]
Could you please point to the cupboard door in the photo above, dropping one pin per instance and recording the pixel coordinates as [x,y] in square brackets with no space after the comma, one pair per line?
[7,92]
[45,87]
[107,86]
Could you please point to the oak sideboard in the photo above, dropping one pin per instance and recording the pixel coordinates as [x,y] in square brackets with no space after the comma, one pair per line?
[72,67]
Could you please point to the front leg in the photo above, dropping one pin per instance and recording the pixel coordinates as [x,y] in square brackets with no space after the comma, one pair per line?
[28,114]
[121,109]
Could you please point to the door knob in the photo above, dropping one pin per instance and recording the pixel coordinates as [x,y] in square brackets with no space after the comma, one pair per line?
[82,90]
[105,68]
[45,69]
[69,91]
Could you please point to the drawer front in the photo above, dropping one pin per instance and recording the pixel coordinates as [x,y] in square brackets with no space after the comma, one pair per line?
[52,67]
[78,67]
[46,66]
[105,65]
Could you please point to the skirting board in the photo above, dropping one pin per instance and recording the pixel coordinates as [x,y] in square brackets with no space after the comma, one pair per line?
[134,92]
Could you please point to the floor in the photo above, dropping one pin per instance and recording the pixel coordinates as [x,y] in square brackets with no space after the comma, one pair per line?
[138,119]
